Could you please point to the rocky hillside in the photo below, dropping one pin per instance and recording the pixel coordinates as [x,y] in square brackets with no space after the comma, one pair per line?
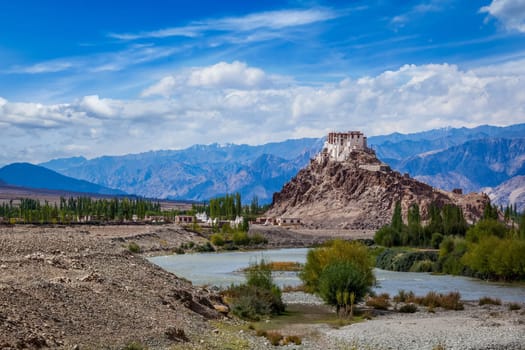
[80,288]
[473,165]
[512,191]
[332,194]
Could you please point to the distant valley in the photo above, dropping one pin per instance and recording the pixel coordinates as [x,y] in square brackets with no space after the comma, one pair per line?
[485,158]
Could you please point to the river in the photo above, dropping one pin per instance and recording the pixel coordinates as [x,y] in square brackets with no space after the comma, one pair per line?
[223,269]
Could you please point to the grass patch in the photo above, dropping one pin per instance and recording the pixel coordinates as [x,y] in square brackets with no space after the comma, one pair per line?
[381,302]
[489,301]
[280,266]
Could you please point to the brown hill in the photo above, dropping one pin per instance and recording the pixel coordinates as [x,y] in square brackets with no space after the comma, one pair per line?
[360,192]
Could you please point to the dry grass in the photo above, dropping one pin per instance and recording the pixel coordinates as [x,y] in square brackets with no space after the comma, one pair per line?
[281,266]
[381,302]
[489,301]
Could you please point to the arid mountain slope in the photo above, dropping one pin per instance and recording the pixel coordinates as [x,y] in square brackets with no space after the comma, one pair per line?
[352,194]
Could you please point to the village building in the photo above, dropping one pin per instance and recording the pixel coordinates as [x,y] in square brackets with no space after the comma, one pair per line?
[184,219]
[283,221]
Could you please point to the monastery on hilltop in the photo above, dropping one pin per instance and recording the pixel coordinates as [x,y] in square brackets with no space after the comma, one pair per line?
[339,145]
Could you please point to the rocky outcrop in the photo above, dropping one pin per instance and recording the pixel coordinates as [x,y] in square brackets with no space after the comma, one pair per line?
[354,195]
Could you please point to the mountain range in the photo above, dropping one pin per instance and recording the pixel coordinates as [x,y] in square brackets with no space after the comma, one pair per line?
[33,176]
[473,159]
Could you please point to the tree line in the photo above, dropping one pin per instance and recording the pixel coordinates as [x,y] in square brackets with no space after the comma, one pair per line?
[492,248]
[81,209]
[230,206]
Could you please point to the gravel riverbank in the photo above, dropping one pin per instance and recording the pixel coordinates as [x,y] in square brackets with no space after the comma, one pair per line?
[476,327]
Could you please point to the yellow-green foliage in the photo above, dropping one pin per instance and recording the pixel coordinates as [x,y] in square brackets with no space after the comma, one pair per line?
[497,258]
[337,251]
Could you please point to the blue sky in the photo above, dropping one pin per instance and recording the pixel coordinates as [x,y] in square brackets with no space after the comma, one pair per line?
[115,77]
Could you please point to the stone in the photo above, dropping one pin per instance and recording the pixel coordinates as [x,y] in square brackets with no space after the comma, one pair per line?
[221,308]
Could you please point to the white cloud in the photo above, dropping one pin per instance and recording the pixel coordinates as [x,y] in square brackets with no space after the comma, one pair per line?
[163,88]
[274,20]
[228,75]
[239,105]
[98,107]
[48,67]
[510,12]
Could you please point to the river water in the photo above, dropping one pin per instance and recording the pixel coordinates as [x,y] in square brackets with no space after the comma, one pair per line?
[223,269]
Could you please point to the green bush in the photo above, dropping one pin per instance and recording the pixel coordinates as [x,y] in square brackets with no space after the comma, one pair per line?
[204,248]
[387,236]
[339,272]
[495,258]
[258,238]
[134,247]
[423,266]
[259,296]
[486,228]
[451,252]
[217,239]
[336,251]
[395,259]
[241,238]
[339,281]
[436,240]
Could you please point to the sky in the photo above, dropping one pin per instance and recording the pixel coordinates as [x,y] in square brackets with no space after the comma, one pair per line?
[92,78]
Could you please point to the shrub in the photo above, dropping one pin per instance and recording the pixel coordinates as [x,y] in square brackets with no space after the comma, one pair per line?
[436,240]
[274,337]
[396,259]
[514,306]
[258,296]
[341,284]
[241,238]
[404,297]
[258,238]
[217,239]
[450,301]
[380,302]
[336,251]
[292,339]
[204,248]
[134,247]
[408,308]
[489,301]
[422,266]
[387,236]
[451,252]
